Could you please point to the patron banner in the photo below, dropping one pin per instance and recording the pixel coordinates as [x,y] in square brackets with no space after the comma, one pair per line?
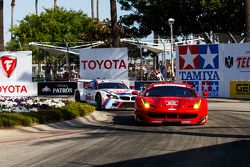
[16,74]
[57,88]
[104,63]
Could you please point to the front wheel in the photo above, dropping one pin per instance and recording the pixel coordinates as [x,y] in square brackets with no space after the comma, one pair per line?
[77,97]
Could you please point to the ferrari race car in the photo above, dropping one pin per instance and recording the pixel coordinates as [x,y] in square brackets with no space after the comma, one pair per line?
[171,102]
[107,95]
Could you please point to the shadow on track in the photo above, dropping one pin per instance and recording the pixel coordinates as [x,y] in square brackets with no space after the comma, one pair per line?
[230,154]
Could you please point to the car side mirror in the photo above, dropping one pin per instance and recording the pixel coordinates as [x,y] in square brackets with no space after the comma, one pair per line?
[135,92]
[205,94]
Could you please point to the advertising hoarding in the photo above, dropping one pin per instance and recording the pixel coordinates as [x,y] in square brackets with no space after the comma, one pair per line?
[199,65]
[239,88]
[16,74]
[212,67]
[57,88]
[104,63]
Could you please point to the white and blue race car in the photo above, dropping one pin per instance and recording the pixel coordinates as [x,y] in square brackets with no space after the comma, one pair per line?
[107,94]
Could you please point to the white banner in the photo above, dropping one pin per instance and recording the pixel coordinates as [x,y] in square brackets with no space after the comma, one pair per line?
[16,66]
[104,63]
[16,74]
[236,64]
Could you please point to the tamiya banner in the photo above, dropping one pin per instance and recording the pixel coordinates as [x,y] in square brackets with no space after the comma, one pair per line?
[16,74]
[104,63]
[199,65]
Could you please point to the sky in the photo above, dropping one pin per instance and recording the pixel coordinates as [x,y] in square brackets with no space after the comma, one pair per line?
[26,7]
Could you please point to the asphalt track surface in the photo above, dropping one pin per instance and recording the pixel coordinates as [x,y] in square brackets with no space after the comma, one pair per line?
[118,141]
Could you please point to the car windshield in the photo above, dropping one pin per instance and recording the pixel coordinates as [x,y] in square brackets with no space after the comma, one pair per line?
[112,85]
[174,91]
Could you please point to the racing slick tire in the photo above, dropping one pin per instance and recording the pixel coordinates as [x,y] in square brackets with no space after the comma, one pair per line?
[138,121]
[98,100]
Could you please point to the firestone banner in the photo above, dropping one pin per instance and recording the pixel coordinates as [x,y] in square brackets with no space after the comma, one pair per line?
[16,74]
[104,63]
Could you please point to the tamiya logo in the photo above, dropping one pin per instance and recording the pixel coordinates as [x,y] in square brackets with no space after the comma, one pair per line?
[8,64]
[211,86]
[199,57]
[194,84]
[229,61]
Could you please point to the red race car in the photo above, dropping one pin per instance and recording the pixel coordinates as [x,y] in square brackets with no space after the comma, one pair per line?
[171,102]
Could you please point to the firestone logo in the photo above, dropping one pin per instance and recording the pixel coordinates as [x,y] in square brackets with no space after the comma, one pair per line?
[8,65]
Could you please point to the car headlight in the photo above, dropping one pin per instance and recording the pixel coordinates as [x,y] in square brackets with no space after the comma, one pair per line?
[197,105]
[145,104]
[112,97]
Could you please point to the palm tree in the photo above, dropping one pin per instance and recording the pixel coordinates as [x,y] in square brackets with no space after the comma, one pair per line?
[13,3]
[36,6]
[114,26]
[55,3]
[92,9]
[247,8]
[97,9]
[1,27]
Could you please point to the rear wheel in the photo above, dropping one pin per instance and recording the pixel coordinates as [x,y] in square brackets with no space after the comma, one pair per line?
[98,101]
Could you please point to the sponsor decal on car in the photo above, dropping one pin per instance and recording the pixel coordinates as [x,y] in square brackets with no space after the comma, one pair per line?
[171,103]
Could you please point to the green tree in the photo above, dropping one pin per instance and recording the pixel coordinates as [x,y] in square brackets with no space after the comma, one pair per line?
[97,9]
[1,27]
[114,26]
[223,15]
[36,6]
[191,16]
[247,10]
[55,3]
[92,9]
[57,25]
[13,3]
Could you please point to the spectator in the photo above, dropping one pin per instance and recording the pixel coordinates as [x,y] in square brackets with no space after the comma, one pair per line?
[158,75]
[145,72]
[169,73]
[163,70]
